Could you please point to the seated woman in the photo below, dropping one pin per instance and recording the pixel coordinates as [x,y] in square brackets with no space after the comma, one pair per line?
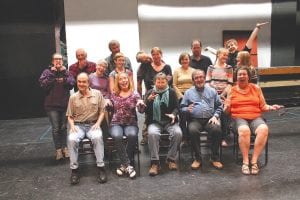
[245,102]
[124,122]
[161,110]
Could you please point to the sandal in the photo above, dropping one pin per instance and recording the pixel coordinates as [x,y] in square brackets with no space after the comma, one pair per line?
[245,169]
[254,169]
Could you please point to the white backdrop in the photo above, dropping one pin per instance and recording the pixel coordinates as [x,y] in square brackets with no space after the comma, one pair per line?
[169,24]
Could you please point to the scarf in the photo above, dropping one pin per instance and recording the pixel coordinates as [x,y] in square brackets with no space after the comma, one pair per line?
[158,101]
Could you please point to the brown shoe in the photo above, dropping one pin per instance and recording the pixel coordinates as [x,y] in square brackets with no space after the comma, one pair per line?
[217,164]
[59,154]
[196,164]
[66,152]
[144,141]
[153,170]
[172,165]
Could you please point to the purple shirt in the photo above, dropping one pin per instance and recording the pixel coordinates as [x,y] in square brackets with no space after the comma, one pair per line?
[101,84]
[124,109]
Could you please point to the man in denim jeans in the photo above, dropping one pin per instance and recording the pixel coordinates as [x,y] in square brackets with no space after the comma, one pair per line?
[85,113]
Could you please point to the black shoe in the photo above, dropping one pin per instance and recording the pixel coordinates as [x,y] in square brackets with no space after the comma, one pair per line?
[75,178]
[101,178]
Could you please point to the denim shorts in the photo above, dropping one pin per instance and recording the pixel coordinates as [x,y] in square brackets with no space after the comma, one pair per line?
[253,124]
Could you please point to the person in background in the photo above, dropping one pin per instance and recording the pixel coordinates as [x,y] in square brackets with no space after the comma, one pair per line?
[162,109]
[85,114]
[99,81]
[182,81]
[147,72]
[124,122]
[245,103]
[232,45]
[82,65]
[57,83]
[205,107]
[119,60]
[199,61]
[220,77]
[244,59]
[114,47]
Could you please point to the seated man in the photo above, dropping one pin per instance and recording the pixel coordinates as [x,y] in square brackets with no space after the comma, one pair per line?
[161,110]
[85,113]
[205,107]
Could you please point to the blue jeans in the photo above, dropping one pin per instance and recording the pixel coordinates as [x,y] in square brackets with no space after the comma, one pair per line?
[58,122]
[84,130]
[126,154]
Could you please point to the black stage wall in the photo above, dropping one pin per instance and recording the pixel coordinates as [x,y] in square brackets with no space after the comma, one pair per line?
[27,42]
[283,33]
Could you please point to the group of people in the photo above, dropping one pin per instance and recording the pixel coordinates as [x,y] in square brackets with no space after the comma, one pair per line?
[197,96]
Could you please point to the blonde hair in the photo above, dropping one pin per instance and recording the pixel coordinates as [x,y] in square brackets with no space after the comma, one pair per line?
[221,50]
[245,58]
[118,55]
[117,88]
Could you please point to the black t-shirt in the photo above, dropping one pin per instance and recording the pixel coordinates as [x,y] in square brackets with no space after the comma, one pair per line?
[202,64]
[147,73]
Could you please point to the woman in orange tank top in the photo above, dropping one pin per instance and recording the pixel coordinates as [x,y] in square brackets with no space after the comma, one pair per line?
[246,103]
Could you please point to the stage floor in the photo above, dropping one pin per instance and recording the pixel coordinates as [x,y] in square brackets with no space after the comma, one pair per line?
[28,169]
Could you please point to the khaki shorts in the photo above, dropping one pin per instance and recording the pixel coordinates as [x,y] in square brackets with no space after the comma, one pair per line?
[252,124]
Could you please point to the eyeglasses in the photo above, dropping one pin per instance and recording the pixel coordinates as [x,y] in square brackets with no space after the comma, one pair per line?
[57,58]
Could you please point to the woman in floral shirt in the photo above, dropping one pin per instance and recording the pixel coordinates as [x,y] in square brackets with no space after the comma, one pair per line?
[124,122]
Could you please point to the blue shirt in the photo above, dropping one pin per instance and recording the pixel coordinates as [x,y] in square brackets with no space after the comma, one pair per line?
[206,101]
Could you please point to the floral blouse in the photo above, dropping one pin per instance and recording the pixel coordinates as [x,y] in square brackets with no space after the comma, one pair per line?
[124,109]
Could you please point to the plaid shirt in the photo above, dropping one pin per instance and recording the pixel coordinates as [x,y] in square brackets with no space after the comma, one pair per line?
[89,68]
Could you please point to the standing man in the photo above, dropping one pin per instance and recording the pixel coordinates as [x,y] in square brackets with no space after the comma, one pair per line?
[57,82]
[82,65]
[114,47]
[85,113]
[205,107]
[199,61]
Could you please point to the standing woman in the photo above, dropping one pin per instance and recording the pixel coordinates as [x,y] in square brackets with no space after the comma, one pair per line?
[220,77]
[124,122]
[182,80]
[119,59]
[99,81]
[244,59]
[147,72]
[246,103]
[57,82]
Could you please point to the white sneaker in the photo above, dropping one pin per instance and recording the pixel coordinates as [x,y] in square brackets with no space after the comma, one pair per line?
[131,172]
